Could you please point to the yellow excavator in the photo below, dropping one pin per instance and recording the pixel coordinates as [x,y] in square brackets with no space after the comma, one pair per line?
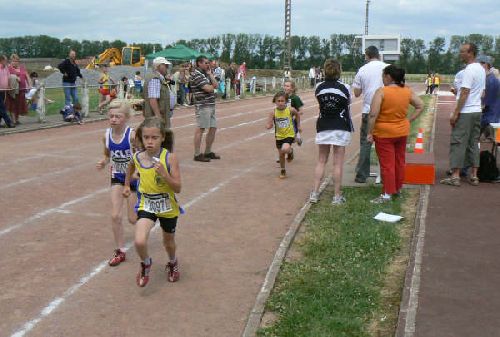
[130,56]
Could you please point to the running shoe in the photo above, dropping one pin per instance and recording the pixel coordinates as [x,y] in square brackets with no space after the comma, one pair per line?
[313,197]
[338,200]
[172,269]
[212,155]
[143,274]
[289,156]
[380,200]
[283,174]
[118,257]
[299,141]
[201,158]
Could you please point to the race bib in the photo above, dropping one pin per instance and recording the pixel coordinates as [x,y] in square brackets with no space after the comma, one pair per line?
[119,165]
[157,203]
[282,123]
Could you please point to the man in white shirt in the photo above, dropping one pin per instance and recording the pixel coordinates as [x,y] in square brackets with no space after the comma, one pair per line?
[367,81]
[466,119]
[312,76]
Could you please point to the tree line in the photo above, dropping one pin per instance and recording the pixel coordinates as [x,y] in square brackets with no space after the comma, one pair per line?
[266,52]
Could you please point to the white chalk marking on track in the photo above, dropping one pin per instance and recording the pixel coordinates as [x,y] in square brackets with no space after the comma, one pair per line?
[49,211]
[55,303]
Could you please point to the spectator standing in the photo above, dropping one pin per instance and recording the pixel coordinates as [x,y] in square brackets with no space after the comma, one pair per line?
[388,127]
[312,76]
[138,83]
[231,76]
[490,101]
[428,84]
[333,128]
[466,119]
[203,84]
[4,88]
[157,92]
[70,72]
[367,81]
[17,105]
[436,83]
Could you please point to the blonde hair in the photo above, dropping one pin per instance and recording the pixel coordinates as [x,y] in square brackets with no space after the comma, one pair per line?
[122,107]
[14,57]
[292,84]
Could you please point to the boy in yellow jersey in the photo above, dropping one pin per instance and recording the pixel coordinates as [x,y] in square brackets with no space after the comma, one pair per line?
[282,119]
[160,179]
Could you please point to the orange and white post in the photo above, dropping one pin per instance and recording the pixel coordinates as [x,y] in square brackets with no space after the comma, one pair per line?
[419,143]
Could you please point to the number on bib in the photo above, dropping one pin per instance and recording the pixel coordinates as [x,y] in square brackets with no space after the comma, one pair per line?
[157,203]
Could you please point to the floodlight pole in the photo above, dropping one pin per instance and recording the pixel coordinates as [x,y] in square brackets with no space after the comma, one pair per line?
[366,16]
[288,45]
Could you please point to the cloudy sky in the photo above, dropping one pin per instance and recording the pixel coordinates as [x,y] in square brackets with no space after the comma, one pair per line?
[165,21]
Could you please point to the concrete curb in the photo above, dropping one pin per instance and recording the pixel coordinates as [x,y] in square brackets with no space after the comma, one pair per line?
[254,319]
[409,300]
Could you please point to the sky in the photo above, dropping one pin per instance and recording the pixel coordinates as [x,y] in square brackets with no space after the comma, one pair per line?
[166,21]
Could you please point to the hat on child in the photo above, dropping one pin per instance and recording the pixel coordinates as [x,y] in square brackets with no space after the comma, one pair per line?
[485,59]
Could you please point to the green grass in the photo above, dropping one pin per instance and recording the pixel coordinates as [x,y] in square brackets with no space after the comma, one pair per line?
[57,95]
[334,289]
[421,122]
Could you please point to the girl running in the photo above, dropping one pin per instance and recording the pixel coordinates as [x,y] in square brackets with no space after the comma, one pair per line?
[105,93]
[296,103]
[118,148]
[160,179]
[284,132]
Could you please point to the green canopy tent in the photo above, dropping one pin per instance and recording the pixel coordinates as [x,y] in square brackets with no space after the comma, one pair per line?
[178,53]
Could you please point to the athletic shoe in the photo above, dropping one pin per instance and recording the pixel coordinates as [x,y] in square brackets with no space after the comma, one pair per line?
[299,141]
[474,181]
[283,174]
[201,158]
[338,200]
[143,274]
[289,157]
[452,181]
[118,257]
[172,270]
[380,200]
[313,197]
[211,155]
[360,180]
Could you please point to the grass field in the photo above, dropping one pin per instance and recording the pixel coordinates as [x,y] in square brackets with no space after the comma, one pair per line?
[335,287]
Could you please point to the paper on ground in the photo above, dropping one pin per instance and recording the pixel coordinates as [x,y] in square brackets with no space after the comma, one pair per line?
[387,217]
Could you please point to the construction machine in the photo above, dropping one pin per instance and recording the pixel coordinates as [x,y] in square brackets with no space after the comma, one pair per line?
[130,56]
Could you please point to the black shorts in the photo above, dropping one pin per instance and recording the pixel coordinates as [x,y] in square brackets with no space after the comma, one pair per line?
[167,224]
[280,142]
[133,183]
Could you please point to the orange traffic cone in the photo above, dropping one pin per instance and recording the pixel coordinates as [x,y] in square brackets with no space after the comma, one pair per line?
[419,143]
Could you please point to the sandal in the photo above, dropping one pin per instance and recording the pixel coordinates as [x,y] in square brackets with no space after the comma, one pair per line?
[452,181]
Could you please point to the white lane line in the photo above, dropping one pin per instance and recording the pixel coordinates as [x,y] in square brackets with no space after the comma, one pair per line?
[56,302]
[43,176]
[49,211]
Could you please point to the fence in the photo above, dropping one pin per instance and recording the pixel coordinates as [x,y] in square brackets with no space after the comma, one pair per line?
[89,94]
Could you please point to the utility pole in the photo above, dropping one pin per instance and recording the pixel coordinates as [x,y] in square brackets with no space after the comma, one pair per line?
[366,16]
[288,45]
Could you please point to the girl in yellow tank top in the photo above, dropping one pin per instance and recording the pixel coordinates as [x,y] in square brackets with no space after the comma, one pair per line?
[281,119]
[160,179]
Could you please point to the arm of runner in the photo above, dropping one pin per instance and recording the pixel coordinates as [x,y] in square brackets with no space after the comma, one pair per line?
[104,161]
[269,122]
[374,111]
[297,119]
[130,171]
[173,178]
[416,101]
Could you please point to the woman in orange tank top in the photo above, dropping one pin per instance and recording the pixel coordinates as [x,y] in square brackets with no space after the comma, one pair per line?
[388,127]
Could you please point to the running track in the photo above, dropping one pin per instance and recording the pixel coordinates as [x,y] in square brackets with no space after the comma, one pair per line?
[55,233]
